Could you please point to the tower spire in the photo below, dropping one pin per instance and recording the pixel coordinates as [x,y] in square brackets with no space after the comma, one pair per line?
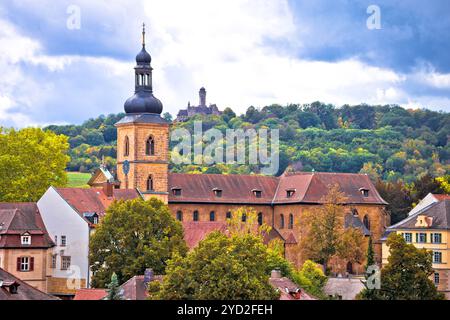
[143,35]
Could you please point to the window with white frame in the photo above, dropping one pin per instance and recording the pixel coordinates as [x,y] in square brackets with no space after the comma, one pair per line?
[408,237]
[65,262]
[63,241]
[24,264]
[437,278]
[25,240]
[436,238]
[437,257]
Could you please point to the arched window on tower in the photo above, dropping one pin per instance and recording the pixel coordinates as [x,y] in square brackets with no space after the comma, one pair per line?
[150,146]
[126,149]
[366,222]
[150,183]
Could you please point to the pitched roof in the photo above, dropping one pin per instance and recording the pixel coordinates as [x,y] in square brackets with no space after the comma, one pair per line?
[352,221]
[235,188]
[94,200]
[439,211]
[311,187]
[308,188]
[90,294]
[136,289]
[287,287]
[196,231]
[24,290]
[18,218]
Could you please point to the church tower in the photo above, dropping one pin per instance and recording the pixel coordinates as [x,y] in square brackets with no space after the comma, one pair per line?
[143,136]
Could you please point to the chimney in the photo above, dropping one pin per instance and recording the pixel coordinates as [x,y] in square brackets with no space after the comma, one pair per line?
[108,189]
[276,274]
[148,276]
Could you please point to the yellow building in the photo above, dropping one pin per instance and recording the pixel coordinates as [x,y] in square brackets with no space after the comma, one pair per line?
[429,229]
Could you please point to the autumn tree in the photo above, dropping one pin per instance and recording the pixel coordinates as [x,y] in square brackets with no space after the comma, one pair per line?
[31,160]
[407,274]
[134,235]
[325,235]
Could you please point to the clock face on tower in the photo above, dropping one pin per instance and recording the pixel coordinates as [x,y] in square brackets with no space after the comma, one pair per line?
[126,167]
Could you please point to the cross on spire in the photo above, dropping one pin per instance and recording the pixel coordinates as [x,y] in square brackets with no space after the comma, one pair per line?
[143,34]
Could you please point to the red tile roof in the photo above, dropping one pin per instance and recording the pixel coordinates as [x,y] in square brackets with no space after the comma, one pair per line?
[90,294]
[309,188]
[441,197]
[24,290]
[235,188]
[194,232]
[93,199]
[19,218]
[288,289]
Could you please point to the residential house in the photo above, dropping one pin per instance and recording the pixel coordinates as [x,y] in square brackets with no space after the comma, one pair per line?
[429,228]
[25,245]
[71,215]
[287,288]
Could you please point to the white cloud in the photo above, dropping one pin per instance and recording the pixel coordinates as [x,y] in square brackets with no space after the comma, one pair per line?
[237,49]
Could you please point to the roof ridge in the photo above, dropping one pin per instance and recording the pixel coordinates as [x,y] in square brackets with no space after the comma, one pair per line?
[414,215]
[225,175]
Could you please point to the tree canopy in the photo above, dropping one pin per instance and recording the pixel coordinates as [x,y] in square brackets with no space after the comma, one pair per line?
[407,274]
[31,160]
[134,235]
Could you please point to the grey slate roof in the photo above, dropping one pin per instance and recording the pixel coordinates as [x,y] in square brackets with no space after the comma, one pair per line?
[352,221]
[142,118]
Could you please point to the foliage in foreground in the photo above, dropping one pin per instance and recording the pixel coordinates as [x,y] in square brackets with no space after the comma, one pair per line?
[220,268]
[134,235]
[407,274]
[31,160]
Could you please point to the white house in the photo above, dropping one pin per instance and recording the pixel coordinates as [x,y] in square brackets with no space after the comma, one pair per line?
[427,201]
[70,216]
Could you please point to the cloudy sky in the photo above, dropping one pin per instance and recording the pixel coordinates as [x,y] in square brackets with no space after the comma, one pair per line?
[245,52]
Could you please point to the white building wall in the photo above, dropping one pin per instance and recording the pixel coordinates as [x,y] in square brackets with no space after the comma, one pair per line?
[61,219]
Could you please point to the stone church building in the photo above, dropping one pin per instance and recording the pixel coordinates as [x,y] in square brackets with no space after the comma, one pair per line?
[204,202]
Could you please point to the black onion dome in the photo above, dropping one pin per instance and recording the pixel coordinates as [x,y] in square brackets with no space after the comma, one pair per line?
[143,102]
[143,57]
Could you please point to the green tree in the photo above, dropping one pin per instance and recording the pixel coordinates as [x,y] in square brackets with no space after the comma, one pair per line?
[311,278]
[368,293]
[407,274]
[31,160]
[134,235]
[114,289]
[220,268]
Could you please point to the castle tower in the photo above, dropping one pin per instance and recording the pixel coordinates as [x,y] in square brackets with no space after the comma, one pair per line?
[143,136]
[202,95]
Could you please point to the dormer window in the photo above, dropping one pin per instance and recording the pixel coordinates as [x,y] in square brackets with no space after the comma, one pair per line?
[364,192]
[25,239]
[217,192]
[176,191]
[257,193]
[290,193]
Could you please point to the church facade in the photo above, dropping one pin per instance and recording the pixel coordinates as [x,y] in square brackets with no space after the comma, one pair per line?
[204,202]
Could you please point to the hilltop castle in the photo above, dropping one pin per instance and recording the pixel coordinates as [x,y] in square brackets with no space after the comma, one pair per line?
[202,108]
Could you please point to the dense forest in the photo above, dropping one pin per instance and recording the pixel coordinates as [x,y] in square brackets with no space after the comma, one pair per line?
[388,142]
